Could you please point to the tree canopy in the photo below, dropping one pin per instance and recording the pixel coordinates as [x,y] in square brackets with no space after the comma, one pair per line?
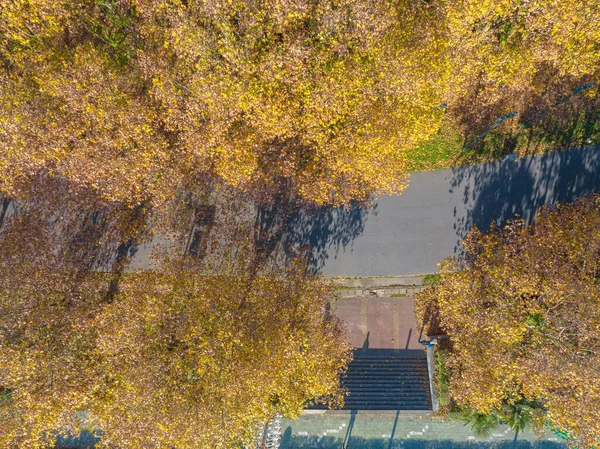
[517,56]
[195,352]
[136,98]
[125,119]
[522,313]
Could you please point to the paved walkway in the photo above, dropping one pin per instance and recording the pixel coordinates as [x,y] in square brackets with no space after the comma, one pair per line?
[392,430]
[374,322]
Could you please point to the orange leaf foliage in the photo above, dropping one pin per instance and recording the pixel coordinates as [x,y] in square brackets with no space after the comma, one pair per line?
[136,98]
[195,353]
[523,316]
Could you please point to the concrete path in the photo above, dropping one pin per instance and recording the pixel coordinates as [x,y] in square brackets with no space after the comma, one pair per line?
[373,322]
[410,233]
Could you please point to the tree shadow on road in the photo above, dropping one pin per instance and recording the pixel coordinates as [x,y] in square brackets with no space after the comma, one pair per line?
[287,226]
[326,230]
[500,191]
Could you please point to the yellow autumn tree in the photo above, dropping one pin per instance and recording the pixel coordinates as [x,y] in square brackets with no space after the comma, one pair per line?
[134,99]
[518,56]
[522,314]
[195,352]
[221,354]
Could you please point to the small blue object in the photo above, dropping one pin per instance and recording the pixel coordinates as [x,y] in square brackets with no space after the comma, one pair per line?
[504,117]
[510,157]
[584,87]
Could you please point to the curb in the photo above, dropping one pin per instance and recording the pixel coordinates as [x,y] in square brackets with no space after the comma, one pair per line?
[381,287]
[435,404]
[373,413]
[380,292]
[378,281]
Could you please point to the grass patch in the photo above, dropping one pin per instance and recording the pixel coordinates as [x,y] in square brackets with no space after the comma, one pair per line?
[572,124]
[442,377]
[441,151]
[431,279]
[399,295]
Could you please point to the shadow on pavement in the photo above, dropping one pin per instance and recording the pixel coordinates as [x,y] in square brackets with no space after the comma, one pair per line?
[393,434]
[349,429]
[321,231]
[326,228]
[86,440]
[500,191]
[314,442]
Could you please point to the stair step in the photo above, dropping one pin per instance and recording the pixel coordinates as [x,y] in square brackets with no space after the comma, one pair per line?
[373,389]
[385,383]
[384,376]
[399,388]
[383,407]
[361,356]
[387,399]
[390,404]
[388,383]
[380,359]
[399,366]
[382,396]
[387,369]
[420,368]
[387,379]
[375,407]
[393,369]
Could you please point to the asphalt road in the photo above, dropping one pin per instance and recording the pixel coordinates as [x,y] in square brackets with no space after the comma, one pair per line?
[410,233]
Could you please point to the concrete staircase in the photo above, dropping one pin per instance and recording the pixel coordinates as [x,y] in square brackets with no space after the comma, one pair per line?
[387,379]
[379,316]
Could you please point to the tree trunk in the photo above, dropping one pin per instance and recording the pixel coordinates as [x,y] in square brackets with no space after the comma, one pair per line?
[515,439]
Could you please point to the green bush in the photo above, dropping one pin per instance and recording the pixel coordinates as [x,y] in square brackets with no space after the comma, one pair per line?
[431,279]
[442,377]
